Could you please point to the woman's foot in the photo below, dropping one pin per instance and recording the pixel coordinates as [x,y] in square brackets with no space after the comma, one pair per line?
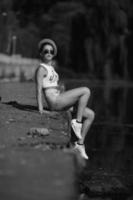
[76,128]
[81,149]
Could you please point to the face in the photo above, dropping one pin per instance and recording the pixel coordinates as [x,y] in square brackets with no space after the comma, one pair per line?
[47,52]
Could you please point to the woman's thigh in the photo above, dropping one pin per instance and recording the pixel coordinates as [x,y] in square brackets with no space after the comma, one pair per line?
[69,98]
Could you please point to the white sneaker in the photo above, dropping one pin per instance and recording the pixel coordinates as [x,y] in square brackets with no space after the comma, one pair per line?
[81,149]
[77,128]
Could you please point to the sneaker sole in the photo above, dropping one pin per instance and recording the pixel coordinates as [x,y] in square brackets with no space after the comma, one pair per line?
[78,136]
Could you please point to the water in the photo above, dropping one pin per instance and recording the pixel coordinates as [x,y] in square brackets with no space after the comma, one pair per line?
[109,173]
[113,104]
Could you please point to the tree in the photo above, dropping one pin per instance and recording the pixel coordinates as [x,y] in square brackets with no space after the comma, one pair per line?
[57,24]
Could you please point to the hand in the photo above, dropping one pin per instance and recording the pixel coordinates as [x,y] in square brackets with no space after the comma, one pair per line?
[61,87]
[41,111]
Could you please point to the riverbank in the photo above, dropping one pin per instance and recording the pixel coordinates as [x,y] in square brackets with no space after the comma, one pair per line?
[35,159]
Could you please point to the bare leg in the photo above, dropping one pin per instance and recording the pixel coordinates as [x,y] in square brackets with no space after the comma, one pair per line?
[82,103]
[79,145]
[89,117]
[71,97]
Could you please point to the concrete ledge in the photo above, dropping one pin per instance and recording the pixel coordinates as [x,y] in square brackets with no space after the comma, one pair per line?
[37,175]
[17,121]
[34,166]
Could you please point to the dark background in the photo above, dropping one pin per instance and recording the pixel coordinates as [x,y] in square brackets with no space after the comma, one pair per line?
[94,37]
[95,40]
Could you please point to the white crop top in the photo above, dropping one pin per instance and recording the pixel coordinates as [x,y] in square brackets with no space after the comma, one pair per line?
[51,80]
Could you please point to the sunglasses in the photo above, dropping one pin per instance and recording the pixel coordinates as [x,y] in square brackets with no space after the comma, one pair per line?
[47,51]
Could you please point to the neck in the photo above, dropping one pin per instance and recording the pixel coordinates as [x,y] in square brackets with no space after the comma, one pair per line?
[47,62]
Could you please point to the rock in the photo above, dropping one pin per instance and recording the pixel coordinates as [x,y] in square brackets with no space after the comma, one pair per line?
[38,132]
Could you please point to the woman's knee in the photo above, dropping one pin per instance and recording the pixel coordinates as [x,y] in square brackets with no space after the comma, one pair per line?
[90,114]
[87,91]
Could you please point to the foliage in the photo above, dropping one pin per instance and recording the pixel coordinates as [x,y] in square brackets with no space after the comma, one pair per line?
[79,28]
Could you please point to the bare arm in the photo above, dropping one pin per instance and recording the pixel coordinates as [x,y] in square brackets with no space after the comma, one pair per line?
[40,73]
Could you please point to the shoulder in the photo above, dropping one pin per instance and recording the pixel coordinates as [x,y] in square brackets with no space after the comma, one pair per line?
[41,69]
[40,72]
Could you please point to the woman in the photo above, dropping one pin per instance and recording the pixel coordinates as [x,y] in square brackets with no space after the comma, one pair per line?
[47,84]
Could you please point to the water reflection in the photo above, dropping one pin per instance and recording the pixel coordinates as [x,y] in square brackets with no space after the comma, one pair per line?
[113,104]
[109,143]
[110,140]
